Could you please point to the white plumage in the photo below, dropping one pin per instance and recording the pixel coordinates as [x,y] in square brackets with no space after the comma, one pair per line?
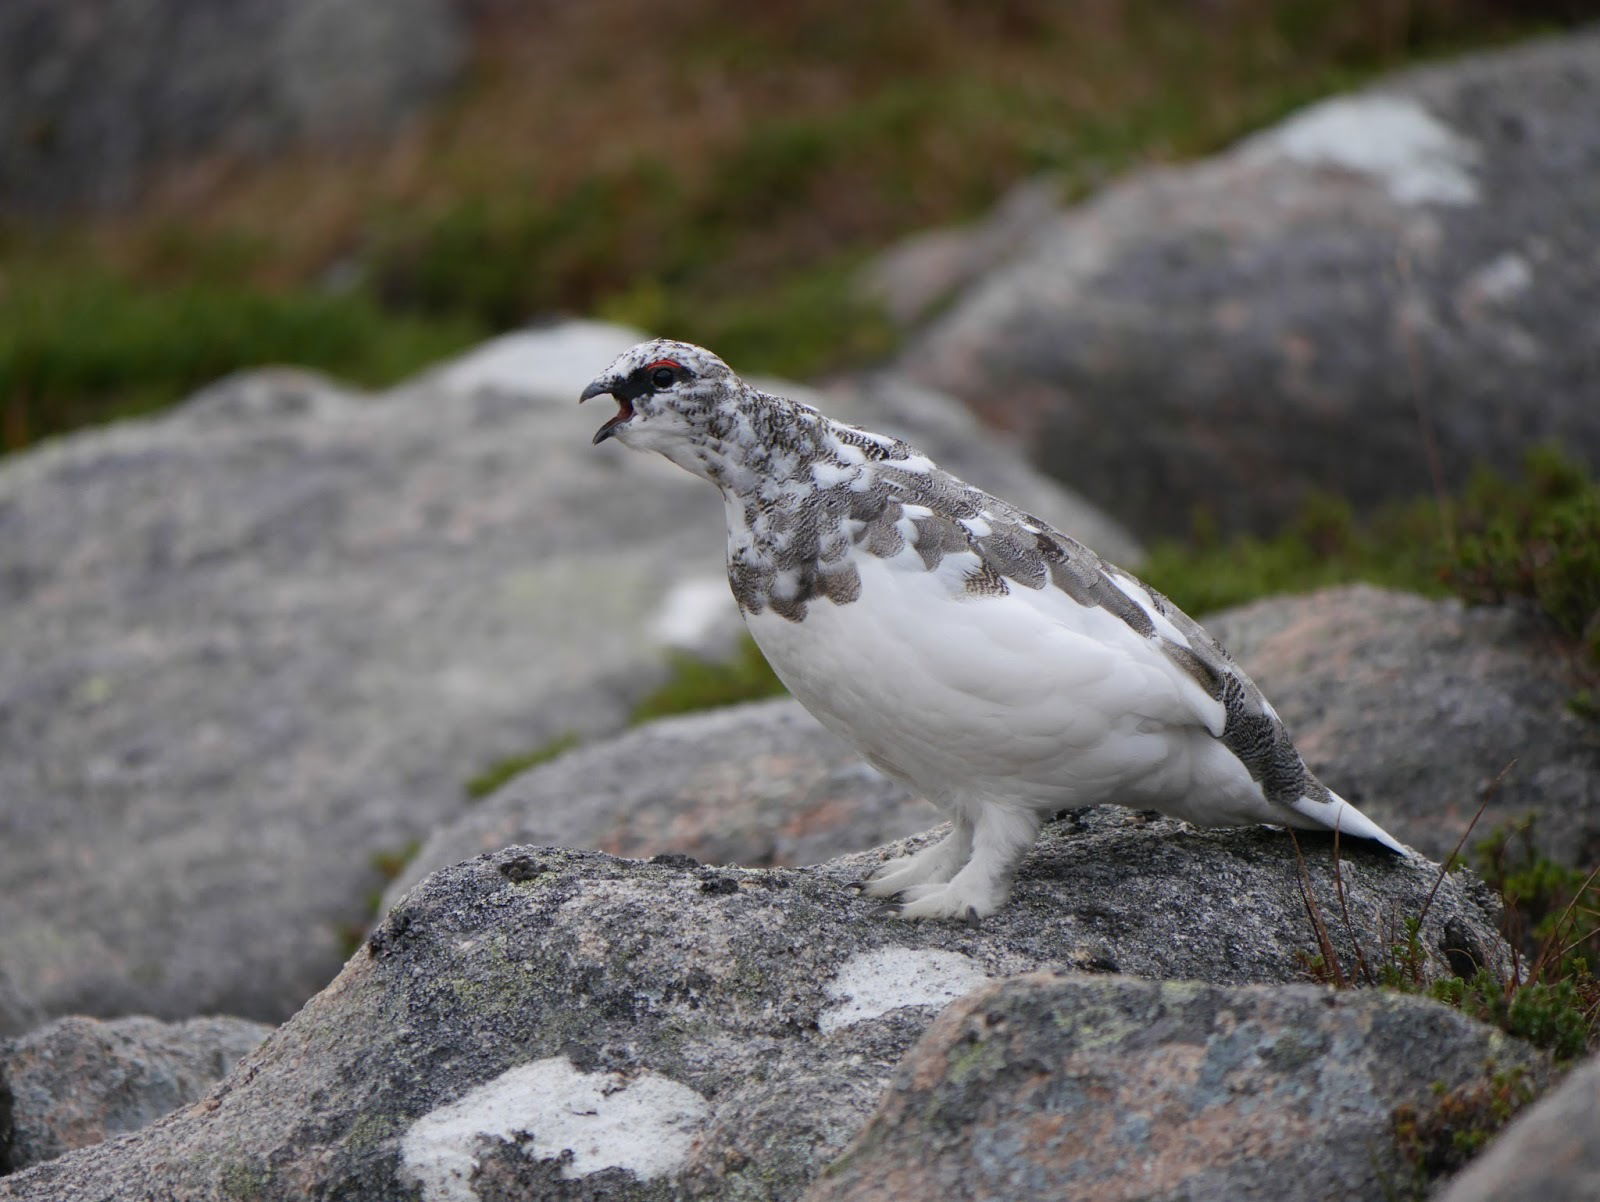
[989,662]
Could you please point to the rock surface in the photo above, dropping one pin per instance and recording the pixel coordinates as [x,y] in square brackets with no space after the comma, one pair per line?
[739,1024]
[1116,1089]
[1411,707]
[1550,1153]
[77,1081]
[757,785]
[917,274]
[250,646]
[1407,263]
[100,93]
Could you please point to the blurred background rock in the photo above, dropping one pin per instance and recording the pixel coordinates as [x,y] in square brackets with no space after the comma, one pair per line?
[191,186]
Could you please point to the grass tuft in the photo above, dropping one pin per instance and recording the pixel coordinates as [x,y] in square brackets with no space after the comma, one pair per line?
[499,772]
[698,684]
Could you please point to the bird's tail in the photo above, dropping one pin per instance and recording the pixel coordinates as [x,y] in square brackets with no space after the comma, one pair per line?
[1335,813]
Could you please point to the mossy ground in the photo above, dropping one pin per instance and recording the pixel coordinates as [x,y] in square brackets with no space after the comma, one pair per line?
[719,180]
[1531,539]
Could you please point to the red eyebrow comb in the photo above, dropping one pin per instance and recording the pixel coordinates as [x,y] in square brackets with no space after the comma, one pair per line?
[663,363]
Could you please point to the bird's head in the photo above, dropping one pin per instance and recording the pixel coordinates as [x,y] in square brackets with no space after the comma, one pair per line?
[671,397]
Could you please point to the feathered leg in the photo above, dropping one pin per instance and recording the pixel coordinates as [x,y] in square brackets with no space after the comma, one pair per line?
[1001,836]
[935,864]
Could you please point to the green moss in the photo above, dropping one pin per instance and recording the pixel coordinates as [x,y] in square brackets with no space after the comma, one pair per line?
[78,344]
[698,684]
[242,1181]
[499,772]
[1435,1140]
[370,1130]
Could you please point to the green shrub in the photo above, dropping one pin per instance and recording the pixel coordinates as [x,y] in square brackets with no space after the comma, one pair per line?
[1533,539]
[1324,545]
[1536,538]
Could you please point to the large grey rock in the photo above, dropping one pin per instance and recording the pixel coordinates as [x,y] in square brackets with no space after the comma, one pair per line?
[249,646]
[1412,707]
[102,93]
[1551,1153]
[704,1033]
[1113,1089]
[757,785]
[1410,264]
[920,272]
[77,1081]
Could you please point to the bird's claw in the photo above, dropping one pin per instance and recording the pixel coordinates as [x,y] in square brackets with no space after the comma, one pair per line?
[887,910]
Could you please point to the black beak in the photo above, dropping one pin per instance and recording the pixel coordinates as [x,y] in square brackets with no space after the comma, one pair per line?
[602,387]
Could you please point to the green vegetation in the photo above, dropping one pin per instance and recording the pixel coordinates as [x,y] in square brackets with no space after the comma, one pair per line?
[82,345]
[1555,1015]
[1537,539]
[726,192]
[1400,547]
[499,772]
[698,684]
[388,863]
[695,683]
[1551,998]
[1551,917]
[1534,539]
[1438,1140]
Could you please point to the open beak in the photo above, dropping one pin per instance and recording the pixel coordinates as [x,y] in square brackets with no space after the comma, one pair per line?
[624,408]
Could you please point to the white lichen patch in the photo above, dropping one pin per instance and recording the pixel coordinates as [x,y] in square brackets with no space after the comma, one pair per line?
[698,615]
[876,982]
[644,1124]
[1418,158]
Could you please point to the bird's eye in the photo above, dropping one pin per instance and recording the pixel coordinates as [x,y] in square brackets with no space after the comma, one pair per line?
[662,377]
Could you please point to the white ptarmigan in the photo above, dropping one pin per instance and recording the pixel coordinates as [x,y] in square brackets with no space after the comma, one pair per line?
[994,665]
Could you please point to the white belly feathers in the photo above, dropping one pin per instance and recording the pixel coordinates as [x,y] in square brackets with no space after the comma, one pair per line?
[1026,697]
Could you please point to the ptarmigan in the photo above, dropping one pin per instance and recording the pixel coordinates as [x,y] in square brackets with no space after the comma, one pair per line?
[994,665]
